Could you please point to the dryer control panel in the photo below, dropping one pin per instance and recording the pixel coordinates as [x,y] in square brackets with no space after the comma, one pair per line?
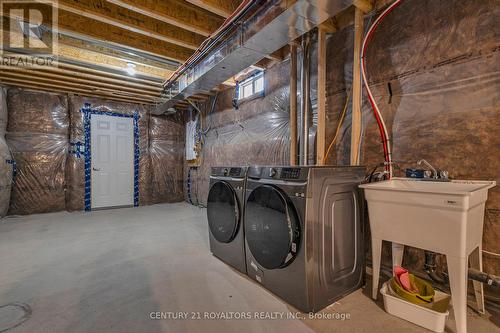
[290,173]
[279,173]
[233,172]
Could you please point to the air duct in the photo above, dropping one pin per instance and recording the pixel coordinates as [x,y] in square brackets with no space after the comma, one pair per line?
[273,25]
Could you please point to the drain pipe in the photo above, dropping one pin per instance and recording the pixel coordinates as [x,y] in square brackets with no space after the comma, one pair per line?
[474,274]
[430,267]
[305,96]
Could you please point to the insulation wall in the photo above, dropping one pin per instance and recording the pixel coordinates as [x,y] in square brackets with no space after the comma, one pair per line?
[6,166]
[440,60]
[44,131]
[76,165]
[37,135]
[255,134]
[166,153]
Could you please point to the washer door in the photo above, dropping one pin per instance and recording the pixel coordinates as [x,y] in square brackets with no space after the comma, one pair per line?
[223,212]
[272,228]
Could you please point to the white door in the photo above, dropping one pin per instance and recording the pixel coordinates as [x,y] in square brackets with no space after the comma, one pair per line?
[112,156]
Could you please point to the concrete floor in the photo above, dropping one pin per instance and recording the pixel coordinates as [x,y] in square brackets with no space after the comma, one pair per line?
[107,271]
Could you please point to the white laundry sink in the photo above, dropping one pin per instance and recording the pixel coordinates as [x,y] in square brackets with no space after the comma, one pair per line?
[428,214]
[443,217]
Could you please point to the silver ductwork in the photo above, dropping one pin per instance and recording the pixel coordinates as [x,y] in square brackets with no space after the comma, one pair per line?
[275,24]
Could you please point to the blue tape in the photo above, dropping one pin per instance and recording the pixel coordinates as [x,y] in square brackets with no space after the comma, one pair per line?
[14,169]
[87,114]
[77,149]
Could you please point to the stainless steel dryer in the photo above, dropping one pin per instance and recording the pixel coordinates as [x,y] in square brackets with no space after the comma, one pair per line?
[225,215]
[303,232]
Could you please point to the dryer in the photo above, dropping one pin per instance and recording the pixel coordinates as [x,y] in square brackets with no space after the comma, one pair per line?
[225,215]
[304,232]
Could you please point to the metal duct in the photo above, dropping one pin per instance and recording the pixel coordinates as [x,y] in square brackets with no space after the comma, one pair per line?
[273,26]
[305,110]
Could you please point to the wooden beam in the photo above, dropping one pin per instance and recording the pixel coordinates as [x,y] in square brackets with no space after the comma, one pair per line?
[356,88]
[111,34]
[364,5]
[329,25]
[293,104]
[77,70]
[71,85]
[175,12]
[90,57]
[63,89]
[105,12]
[37,74]
[80,26]
[321,129]
[222,8]
[122,53]
[58,73]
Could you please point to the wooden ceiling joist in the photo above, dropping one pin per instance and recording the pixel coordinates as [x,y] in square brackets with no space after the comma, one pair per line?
[74,85]
[121,53]
[100,73]
[105,12]
[222,8]
[175,12]
[26,73]
[112,34]
[64,89]
[81,55]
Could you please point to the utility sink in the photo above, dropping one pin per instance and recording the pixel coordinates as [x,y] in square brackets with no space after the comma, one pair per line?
[443,217]
[428,214]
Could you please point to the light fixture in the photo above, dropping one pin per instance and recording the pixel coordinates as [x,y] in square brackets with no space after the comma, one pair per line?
[130,69]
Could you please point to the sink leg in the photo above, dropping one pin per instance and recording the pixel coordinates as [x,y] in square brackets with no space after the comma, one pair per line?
[376,255]
[457,268]
[397,254]
[476,261]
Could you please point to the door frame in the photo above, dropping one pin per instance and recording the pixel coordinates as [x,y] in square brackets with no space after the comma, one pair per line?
[87,114]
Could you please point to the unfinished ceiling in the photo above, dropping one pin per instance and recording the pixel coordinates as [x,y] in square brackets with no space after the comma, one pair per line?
[99,41]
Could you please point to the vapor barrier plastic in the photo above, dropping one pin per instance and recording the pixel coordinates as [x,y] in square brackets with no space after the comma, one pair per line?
[37,135]
[166,151]
[435,75]
[256,134]
[6,163]
[3,111]
[75,171]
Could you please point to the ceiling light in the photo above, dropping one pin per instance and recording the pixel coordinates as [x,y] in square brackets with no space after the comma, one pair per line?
[130,69]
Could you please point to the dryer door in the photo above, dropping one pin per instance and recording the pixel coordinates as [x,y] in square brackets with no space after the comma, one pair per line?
[272,228]
[223,212]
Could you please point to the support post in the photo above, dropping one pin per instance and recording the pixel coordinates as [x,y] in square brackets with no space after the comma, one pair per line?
[356,86]
[293,104]
[321,130]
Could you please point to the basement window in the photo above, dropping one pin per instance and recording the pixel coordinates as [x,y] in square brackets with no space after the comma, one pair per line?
[251,87]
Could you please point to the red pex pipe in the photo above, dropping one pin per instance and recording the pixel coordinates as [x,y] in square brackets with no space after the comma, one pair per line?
[378,116]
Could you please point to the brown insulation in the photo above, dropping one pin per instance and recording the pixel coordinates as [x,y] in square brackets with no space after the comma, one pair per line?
[255,134]
[37,135]
[166,148]
[5,156]
[75,165]
[441,62]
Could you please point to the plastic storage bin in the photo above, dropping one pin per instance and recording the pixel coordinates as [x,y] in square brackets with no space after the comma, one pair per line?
[431,317]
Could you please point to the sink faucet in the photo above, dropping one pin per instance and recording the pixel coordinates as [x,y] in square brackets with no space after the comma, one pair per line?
[434,171]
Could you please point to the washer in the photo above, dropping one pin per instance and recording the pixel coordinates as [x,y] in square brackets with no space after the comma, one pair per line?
[304,232]
[225,215]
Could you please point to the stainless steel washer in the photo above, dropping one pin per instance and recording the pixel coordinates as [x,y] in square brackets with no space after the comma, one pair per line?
[225,215]
[303,232]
